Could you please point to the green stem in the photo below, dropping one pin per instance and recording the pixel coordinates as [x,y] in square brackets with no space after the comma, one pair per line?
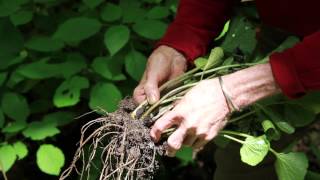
[240,117]
[235,133]
[273,151]
[3,173]
[232,138]
[166,96]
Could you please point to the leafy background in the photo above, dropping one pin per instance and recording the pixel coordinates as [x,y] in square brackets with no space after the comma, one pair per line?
[60,59]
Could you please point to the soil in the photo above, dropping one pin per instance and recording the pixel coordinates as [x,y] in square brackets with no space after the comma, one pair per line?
[123,144]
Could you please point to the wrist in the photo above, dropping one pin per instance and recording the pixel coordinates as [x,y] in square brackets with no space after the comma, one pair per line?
[250,85]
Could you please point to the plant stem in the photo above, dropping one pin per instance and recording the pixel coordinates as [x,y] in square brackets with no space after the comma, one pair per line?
[3,173]
[165,97]
[235,133]
[273,151]
[240,117]
[232,138]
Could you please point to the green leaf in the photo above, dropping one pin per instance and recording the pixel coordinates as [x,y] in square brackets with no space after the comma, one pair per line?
[14,127]
[109,68]
[44,44]
[287,43]
[7,157]
[111,12]
[50,159]
[200,62]
[77,29]
[92,3]
[11,42]
[158,12]
[279,121]
[105,96]
[312,175]
[42,69]
[291,166]
[8,7]
[131,11]
[215,58]
[224,31]
[150,29]
[270,130]
[185,155]
[68,93]
[310,101]
[2,119]
[241,35]
[3,77]
[116,37]
[59,118]
[20,149]
[39,130]
[135,63]
[298,115]
[15,106]
[254,150]
[21,17]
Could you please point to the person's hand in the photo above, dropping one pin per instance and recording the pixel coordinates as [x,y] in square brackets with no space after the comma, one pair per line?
[164,63]
[199,116]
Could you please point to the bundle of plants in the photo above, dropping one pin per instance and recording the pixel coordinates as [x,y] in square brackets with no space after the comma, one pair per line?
[119,146]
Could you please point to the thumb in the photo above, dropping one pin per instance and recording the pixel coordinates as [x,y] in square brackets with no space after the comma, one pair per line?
[151,90]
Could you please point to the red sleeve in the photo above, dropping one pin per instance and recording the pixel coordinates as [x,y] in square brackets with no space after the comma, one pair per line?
[196,24]
[297,70]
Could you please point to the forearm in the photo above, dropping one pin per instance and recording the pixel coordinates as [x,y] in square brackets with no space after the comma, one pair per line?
[250,85]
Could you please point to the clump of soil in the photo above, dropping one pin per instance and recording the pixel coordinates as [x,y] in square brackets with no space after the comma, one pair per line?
[122,145]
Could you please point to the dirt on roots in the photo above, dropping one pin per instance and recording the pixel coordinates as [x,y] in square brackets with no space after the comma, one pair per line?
[117,146]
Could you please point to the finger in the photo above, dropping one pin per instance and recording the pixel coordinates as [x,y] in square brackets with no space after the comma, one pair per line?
[200,142]
[175,140]
[166,121]
[177,71]
[190,137]
[189,140]
[151,86]
[138,94]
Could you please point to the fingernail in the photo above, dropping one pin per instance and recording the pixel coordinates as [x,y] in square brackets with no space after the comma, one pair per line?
[152,99]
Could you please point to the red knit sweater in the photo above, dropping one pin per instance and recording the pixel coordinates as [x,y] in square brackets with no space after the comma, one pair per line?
[296,70]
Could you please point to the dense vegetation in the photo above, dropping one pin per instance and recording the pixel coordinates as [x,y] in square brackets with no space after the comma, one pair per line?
[60,59]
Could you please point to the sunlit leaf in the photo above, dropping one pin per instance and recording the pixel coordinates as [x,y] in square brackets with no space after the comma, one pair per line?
[254,150]
[20,149]
[38,130]
[14,127]
[68,93]
[50,159]
[7,157]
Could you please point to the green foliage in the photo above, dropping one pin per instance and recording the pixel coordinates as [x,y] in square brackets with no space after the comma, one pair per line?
[185,155]
[50,159]
[59,59]
[291,166]
[254,149]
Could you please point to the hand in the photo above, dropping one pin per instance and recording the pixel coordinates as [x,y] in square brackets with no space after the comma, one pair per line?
[164,63]
[199,115]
